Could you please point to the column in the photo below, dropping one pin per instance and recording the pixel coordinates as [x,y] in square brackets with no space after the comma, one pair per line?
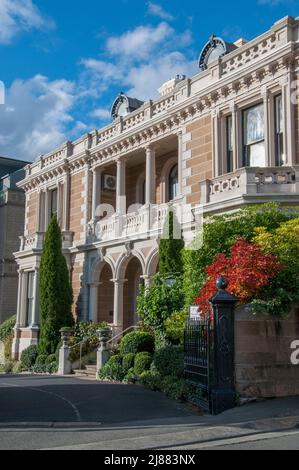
[118,317]
[96,191]
[66,203]
[38,212]
[237,138]
[35,311]
[147,281]
[266,100]
[23,301]
[217,154]
[93,301]
[289,95]
[19,305]
[150,190]
[47,208]
[59,203]
[180,162]
[121,187]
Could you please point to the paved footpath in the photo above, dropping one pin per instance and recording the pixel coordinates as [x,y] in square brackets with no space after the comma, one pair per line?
[39,412]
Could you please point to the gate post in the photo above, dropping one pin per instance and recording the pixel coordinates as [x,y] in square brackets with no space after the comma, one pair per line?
[222,392]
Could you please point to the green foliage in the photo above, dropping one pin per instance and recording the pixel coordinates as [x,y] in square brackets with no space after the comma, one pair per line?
[128,362]
[138,341]
[7,368]
[158,302]
[171,246]
[6,328]
[41,360]
[175,326]
[278,296]
[29,356]
[50,359]
[220,233]
[130,377]
[88,330]
[175,388]
[142,362]
[17,368]
[169,361]
[52,368]
[113,370]
[55,291]
[150,381]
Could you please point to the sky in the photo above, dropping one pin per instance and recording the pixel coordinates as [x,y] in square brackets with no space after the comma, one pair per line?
[63,62]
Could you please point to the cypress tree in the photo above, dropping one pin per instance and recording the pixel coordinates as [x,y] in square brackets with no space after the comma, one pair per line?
[171,246]
[55,291]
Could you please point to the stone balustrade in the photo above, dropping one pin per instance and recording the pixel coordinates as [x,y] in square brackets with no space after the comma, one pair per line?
[36,241]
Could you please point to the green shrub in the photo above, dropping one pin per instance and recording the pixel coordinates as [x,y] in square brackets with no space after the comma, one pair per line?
[142,362]
[6,328]
[50,359]
[174,388]
[175,327]
[130,377]
[29,356]
[39,369]
[159,302]
[17,368]
[170,248]
[88,330]
[128,362]
[113,369]
[52,368]
[8,347]
[8,367]
[220,233]
[150,381]
[138,341]
[169,361]
[41,360]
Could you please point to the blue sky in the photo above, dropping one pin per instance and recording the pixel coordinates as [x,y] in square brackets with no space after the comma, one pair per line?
[63,61]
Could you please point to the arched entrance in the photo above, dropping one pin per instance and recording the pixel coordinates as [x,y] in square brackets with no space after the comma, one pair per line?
[105,303]
[133,276]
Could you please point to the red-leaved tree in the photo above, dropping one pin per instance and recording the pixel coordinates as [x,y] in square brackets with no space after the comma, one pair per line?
[247,269]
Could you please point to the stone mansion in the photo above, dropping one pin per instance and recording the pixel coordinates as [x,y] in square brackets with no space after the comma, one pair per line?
[223,138]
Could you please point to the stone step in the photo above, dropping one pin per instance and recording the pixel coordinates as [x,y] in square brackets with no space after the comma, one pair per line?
[85,372]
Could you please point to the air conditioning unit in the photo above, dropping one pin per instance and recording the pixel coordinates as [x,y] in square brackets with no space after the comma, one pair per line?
[109,182]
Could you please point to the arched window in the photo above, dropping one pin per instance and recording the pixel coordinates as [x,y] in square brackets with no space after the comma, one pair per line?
[173,190]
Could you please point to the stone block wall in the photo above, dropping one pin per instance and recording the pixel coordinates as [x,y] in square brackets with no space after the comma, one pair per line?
[263,354]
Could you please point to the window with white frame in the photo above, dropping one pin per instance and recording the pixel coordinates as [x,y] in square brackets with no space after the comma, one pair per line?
[254,154]
[279,132]
[173,183]
[29,298]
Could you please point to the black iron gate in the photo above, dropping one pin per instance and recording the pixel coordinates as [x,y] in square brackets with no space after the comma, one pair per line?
[209,354]
[198,344]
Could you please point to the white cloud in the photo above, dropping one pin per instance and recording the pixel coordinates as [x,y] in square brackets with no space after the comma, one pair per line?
[157,10]
[20,15]
[139,61]
[101,113]
[140,42]
[35,117]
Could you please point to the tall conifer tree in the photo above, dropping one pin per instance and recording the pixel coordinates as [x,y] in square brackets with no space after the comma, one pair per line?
[55,291]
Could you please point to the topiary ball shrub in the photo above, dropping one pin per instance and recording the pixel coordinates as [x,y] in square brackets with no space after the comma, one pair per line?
[6,328]
[41,360]
[131,377]
[142,362]
[50,359]
[128,362]
[113,370]
[29,356]
[150,381]
[52,368]
[138,341]
[169,361]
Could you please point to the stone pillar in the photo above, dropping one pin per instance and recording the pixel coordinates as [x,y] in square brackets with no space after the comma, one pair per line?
[150,180]
[38,211]
[217,154]
[237,138]
[118,317]
[289,119]
[23,303]
[66,203]
[96,191]
[147,281]
[103,352]
[59,203]
[65,367]
[266,100]
[180,162]
[121,187]
[35,312]
[93,301]
[19,304]
[47,209]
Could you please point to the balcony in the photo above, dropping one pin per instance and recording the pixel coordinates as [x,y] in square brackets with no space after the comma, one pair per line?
[35,242]
[251,185]
[148,222]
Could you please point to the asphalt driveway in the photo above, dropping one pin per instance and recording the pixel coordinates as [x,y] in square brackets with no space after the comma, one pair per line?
[50,400]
